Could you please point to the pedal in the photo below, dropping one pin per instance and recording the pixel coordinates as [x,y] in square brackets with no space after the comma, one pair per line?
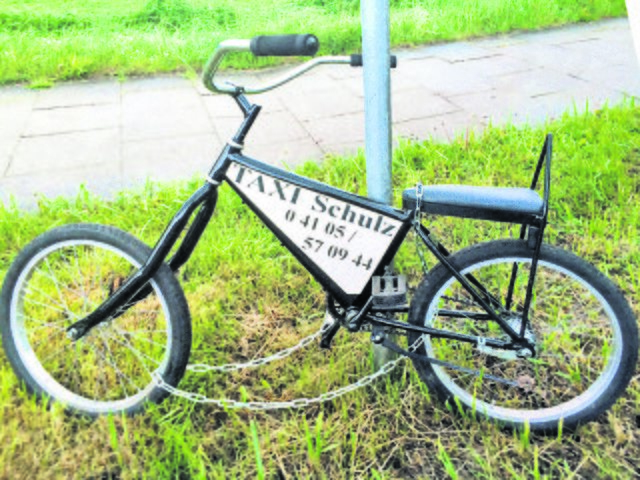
[389,290]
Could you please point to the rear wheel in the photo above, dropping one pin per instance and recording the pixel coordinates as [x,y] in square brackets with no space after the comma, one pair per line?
[61,277]
[584,331]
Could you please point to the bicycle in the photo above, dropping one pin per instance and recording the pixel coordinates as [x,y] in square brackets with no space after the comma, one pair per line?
[514,330]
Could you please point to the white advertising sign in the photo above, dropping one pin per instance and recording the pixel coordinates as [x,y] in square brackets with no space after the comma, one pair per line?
[345,241]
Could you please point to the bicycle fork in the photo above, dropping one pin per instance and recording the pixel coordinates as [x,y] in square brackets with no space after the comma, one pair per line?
[137,286]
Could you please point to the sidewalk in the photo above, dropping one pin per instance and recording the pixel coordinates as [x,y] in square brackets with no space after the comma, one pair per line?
[109,135]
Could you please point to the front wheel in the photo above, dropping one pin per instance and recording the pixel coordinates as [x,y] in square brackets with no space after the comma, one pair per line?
[61,277]
[584,331]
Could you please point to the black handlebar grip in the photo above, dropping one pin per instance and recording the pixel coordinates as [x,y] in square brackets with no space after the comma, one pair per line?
[285,45]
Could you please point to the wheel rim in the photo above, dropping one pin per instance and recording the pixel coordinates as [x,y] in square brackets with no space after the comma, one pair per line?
[575,362]
[111,368]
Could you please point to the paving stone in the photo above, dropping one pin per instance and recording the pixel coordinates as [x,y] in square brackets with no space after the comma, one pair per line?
[57,153]
[275,127]
[269,127]
[222,106]
[27,189]
[495,66]
[493,105]
[589,98]
[354,86]
[537,110]
[337,132]
[444,127]
[97,92]
[446,79]
[501,107]
[6,149]
[226,127]
[322,103]
[164,113]
[459,52]
[401,82]
[342,72]
[559,36]
[72,119]
[269,101]
[415,53]
[14,113]
[316,79]
[157,83]
[536,82]
[289,154]
[413,104]
[169,159]
[549,57]
[621,78]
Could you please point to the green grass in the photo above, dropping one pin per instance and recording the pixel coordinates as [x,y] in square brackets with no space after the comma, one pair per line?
[245,291]
[48,40]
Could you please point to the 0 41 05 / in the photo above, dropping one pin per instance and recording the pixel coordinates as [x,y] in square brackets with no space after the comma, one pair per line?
[310,222]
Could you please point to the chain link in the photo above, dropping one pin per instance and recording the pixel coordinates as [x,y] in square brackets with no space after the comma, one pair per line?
[262,406]
[231,367]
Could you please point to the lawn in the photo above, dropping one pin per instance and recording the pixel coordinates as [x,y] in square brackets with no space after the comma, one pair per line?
[246,292]
[42,41]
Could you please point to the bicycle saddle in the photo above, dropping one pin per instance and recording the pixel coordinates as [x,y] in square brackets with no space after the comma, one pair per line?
[520,205]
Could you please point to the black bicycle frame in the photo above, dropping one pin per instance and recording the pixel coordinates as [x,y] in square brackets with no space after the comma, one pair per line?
[137,287]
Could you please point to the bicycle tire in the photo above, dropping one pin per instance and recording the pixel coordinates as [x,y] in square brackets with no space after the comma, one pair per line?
[60,277]
[561,388]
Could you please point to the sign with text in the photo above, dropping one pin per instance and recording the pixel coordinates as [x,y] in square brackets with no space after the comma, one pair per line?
[345,241]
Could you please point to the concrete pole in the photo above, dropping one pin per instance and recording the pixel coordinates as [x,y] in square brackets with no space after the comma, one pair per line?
[377,96]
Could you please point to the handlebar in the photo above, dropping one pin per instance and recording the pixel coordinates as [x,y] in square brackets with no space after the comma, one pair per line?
[285,45]
[276,45]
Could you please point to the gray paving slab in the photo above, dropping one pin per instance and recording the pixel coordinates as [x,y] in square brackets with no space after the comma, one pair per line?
[322,103]
[71,151]
[167,158]
[26,190]
[459,52]
[415,103]
[288,154]
[109,134]
[444,78]
[621,78]
[445,127]
[97,92]
[159,82]
[537,82]
[274,127]
[163,113]
[72,119]
[337,134]
[7,145]
[15,111]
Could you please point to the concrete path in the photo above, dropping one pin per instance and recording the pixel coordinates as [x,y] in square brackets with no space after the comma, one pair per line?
[108,135]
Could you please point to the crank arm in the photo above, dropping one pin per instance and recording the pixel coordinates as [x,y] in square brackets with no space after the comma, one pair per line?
[423,358]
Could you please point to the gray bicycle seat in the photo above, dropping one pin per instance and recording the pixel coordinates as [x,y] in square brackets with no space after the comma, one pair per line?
[520,205]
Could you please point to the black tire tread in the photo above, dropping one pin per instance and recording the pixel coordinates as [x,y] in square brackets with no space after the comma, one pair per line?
[167,284]
[439,274]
